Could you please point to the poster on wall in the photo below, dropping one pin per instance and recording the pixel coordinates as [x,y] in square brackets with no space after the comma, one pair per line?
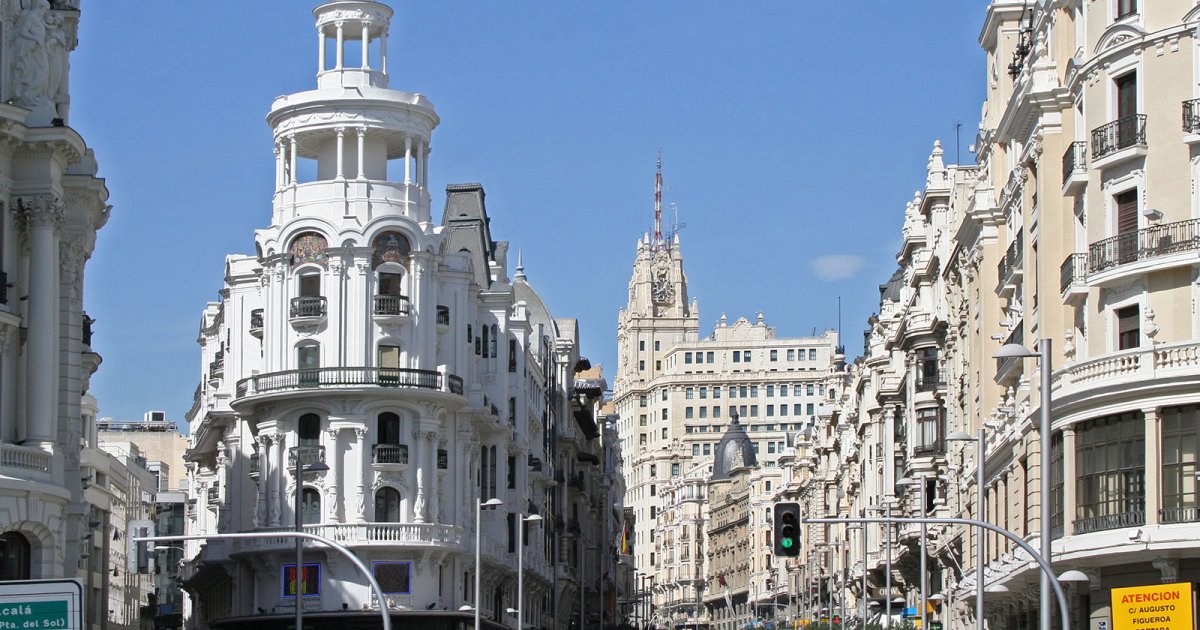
[310,580]
[1153,607]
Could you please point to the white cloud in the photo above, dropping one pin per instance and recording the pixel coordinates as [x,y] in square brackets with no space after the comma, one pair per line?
[837,266]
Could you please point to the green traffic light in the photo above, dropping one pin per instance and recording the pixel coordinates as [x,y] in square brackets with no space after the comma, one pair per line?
[786,543]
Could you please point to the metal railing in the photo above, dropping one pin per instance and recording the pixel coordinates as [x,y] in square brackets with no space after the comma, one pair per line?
[214,495]
[1132,518]
[346,377]
[930,381]
[936,447]
[309,306]
[1179,515]
[1119,134]
[216,369]
[1191,116]
[1146,243]
[1013,258]
[389,454]
[309,455]
[256,319]
[391,305]
[255,464]
[1073,269]
[1074,160]
[443,315]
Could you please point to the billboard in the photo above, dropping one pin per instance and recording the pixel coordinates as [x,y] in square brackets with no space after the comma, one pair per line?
[1153,607]
[310,580]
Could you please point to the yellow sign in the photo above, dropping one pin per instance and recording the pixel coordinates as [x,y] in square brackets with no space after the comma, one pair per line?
[1154,607]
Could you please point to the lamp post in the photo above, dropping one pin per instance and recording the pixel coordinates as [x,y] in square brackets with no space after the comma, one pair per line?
[317,466]
[532,518]
[846,576]
[490,503]
[924,556]
[981,506]
[1017,351]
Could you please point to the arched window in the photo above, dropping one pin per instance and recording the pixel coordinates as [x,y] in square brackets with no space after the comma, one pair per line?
[388,428]
[310,507]
[387,506]
[15,556]
[309,430]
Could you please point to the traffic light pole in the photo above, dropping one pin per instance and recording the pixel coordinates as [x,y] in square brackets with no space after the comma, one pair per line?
[1043,563]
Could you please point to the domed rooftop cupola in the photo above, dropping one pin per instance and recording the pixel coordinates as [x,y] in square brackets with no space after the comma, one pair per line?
[734,451]
[352,149]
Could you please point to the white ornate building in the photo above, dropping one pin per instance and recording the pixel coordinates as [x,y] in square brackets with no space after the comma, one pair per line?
[402,354]
[676,392]
[51,205]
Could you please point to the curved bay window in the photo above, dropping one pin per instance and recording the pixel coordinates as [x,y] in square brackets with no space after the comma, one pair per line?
[310,507]
[387,505]
[15,556]
[1110,468]
[931,423]
[1180,443]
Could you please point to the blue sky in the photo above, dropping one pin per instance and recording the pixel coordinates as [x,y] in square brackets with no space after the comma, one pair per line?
[793,133]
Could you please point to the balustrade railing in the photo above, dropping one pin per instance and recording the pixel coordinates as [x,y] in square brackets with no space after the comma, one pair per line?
[309,306]
[256,319]
[1144,244]
[391,305]
[1119,134]
[15,456]
[1190,514]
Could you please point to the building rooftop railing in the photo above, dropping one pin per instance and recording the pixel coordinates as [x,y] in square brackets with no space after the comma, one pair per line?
[343,377]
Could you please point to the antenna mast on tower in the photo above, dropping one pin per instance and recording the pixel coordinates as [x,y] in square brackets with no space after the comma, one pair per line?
[658,237]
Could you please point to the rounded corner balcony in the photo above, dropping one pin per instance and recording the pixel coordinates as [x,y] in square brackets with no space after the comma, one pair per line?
[390,309]
[308,311]
[321,380]
[380,536]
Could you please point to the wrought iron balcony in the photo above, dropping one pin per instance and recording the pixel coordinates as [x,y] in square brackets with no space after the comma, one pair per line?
[389,454]
[1190,514]
[1122,133]
[935,447]
[1011,264]
[391,305]
[216,369]
[308,306]
[1191,116]
[256,322]
[443,315]
[1144,244]
[931,380]
[309,455]
[1120,520]
[214,495]
[1073,271]
[255,466]
[1074,164]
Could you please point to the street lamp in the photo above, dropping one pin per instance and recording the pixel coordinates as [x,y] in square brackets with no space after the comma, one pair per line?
[317,466]
[532,518]
[921,483]
[1017,351]
[980,513]
[490,503]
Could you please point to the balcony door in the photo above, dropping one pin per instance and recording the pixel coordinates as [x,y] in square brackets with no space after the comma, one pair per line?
[1127,125]
[1127,226]
[389,365]
[308,361]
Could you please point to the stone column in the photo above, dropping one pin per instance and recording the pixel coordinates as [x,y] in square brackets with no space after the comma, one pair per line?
[341,152]
[424,166]
[271,479]
[431,446]
[292,160]
[366,34]
[422,474]
[335,475]
[425,336]
[362,136]
[340,42]
[364,466]
[278,167]
[264,469]
[1069,473]
[1153,468]
[407,161]
[44,215]
[278,479]
[320,50]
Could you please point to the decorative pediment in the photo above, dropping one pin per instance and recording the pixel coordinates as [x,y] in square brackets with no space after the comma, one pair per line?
[1118,34]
